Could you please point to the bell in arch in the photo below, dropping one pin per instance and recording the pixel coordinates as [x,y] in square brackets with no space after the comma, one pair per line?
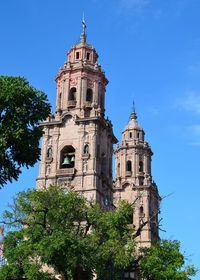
[72,158]
[66,160]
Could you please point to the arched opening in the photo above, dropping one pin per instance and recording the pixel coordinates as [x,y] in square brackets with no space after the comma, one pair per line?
[129,166]
[72,94]
[130,134]
[67,157]
[67,118]
[88,56]
[77,55]
[89,95]
[141,166]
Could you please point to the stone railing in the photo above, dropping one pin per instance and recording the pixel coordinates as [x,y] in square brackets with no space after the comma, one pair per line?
[128,173]
[88,104]
[71,103]
[66,171]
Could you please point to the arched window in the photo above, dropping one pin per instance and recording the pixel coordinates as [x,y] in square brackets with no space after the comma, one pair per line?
[130,134]
[129,166]
[89,95]
[72,94]
[67,157]
[140,166]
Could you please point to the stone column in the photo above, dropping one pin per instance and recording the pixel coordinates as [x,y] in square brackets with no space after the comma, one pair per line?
[145,160]
[57,96]
[95,97]
[134,164]
[64,100]
[83,91]
[43,155]
[79,92]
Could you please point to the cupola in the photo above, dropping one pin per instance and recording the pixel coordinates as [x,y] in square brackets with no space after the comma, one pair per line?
[133,131]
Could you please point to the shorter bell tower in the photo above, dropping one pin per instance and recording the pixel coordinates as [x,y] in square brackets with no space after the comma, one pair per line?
[134,180]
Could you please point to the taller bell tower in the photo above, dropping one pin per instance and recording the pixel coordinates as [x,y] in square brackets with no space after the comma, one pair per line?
[77,145]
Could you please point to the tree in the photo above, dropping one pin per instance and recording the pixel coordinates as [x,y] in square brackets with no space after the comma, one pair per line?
[58,229]
[65,232]
[22,108]
[164,261]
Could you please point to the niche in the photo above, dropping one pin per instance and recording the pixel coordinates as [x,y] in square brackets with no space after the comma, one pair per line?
[141,166]
[86,149]
[49,153]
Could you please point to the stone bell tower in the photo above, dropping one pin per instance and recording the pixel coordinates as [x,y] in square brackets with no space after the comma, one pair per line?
[134,181]
[77,145]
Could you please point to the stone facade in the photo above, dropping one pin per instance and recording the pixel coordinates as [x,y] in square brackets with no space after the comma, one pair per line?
[77,146]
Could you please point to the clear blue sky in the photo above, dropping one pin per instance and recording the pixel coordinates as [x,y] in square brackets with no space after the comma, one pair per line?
[150,51]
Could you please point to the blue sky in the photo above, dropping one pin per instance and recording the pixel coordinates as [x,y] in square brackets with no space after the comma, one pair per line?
[150,51]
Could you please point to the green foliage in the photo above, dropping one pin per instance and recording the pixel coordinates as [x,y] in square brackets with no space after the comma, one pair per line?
[22,107]
[59,229]
[69,235]
[114,239]
[164,261]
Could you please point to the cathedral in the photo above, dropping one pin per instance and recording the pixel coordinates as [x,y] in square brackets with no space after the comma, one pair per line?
[78,145]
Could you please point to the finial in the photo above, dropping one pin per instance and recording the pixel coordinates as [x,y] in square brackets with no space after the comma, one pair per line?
[83,25]
[83,34]
[133,108]
[133,113]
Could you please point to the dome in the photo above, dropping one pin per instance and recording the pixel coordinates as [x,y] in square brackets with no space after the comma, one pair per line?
[133,124]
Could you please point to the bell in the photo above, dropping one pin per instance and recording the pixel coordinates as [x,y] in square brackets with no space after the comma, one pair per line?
[66,161]
[72,158]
